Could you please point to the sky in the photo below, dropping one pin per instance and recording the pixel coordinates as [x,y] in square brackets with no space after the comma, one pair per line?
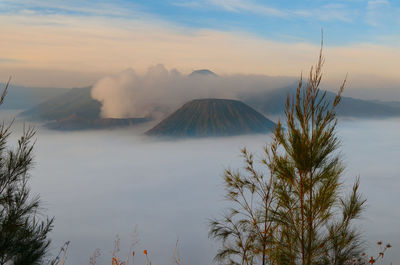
[74,43]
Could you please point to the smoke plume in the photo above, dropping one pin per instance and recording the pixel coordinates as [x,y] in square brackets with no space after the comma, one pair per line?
[160,91]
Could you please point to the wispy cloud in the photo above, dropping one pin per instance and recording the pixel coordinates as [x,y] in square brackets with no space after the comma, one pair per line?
[71,7]
[324,13]
[189,4]
[330,12]
[95,45]
[240,5]
[9,60]
[300,18]
[378,11]
[100,37]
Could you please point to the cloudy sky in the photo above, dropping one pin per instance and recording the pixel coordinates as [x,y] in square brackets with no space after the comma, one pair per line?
[73,43]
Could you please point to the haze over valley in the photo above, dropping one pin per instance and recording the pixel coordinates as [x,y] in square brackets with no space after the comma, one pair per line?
[129,99]
[131,122]
[103,183]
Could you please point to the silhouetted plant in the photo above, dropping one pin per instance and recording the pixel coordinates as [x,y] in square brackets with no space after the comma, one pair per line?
[23,232]
[61,257]
[295,211]
[247,231]
[365,259]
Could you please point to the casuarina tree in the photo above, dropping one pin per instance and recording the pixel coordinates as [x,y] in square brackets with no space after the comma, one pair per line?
[295,210]
[23,229]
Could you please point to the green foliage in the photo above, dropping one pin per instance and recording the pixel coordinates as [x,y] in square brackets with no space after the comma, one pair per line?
[247,231]
[23,235]
[295,212]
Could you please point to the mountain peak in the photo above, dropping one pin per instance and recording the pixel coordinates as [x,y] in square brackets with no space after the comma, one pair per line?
[203,72]
[212,117]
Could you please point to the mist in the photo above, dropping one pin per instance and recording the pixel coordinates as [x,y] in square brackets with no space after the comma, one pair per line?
[159,91]
[102,183]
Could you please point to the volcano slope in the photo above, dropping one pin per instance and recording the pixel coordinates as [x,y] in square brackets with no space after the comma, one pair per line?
[212,117]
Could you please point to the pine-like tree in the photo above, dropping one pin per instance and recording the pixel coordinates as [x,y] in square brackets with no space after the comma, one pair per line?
[248,230]
[23,232]
[314,216]
[295,212]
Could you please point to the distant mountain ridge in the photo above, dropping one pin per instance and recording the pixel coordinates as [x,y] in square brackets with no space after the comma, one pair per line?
[212,117]
[273,102]
[22,97]
[77,101]
[75,110]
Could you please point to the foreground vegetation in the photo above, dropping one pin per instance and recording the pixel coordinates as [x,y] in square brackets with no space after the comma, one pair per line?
[291,208]
[23,230]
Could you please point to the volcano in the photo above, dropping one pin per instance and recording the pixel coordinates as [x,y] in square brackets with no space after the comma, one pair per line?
[203,72]
[76,110]
[212,117]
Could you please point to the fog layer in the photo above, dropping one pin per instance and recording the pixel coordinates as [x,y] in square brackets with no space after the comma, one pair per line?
[103,183]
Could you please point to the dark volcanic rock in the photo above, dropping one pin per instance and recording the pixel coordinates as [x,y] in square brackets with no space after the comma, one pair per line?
[212,117]
[80,123]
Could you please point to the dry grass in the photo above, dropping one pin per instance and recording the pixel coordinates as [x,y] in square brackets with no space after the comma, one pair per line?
[62,255]
[365,259]
[116,259]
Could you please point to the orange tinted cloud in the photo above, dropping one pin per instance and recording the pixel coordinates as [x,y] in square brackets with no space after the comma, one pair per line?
[94,46]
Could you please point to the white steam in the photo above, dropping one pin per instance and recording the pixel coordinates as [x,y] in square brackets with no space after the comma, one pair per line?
[159,92]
